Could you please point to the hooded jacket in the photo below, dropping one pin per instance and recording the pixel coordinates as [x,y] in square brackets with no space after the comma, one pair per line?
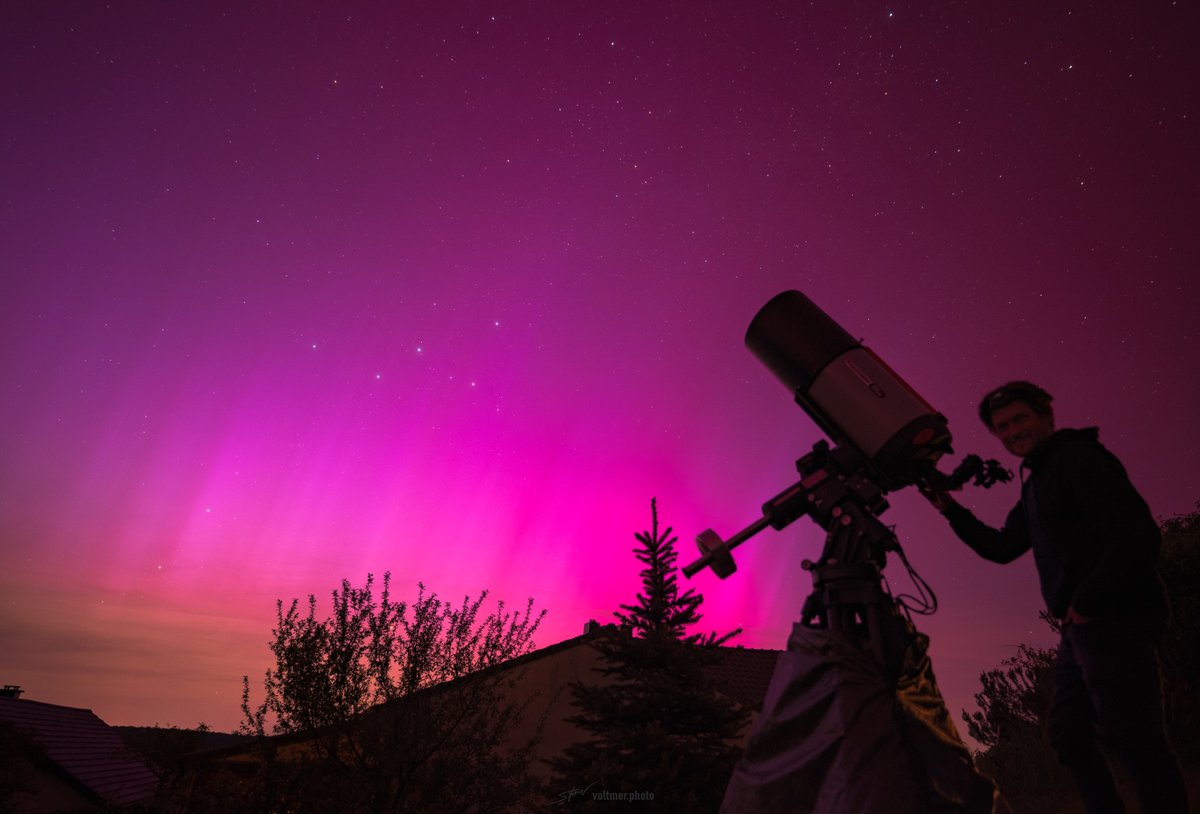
[1094,540]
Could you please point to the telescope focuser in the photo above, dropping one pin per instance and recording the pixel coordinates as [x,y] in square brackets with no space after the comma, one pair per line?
[985,473]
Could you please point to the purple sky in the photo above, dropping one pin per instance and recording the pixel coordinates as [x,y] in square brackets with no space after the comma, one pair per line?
[291,294]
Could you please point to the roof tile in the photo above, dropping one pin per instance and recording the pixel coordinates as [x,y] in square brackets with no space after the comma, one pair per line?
[83,746]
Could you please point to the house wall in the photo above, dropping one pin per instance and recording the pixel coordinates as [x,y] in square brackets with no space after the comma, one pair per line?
[37,791]
[541,682]
[549,679]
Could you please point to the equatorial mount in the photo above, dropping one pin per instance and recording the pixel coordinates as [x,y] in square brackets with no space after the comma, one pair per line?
[829,485]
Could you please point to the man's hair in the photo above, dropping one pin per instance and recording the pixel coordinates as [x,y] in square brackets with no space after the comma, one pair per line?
[1028,392]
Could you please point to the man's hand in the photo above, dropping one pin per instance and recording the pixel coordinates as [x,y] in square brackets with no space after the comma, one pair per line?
[940,499]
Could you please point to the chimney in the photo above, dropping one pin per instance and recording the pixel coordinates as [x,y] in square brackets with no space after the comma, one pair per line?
[11,691]
[592,626]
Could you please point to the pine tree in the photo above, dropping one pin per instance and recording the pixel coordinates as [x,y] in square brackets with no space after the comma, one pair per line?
[656,722]
[661,612]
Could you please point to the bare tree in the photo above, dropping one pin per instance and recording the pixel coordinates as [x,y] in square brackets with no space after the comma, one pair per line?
[393,706]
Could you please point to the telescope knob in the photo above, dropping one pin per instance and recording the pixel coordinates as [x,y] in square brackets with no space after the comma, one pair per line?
[713,548]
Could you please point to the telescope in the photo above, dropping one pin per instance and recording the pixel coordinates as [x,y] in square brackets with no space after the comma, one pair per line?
[885,437]
[855,687]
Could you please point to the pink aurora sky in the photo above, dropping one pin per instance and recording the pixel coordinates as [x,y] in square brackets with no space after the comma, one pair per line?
[294,293]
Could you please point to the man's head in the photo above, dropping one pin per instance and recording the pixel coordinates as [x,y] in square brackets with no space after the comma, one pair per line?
[1019,415]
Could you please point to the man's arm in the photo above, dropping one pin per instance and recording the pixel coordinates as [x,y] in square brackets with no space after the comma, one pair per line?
[998,545]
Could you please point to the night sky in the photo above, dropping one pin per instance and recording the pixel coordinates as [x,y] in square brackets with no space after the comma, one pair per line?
[293,293]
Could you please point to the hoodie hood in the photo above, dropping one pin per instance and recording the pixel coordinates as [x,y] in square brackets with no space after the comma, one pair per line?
[1061,438]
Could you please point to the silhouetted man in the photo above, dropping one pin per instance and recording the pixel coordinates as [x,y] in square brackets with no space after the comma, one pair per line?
[1095,545]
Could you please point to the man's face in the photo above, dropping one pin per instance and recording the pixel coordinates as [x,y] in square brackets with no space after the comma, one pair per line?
[1020,429]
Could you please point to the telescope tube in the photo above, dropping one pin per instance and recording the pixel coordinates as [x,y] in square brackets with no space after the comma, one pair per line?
[852,395]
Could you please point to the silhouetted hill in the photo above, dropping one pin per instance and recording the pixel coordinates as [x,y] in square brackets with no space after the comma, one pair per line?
[163,747]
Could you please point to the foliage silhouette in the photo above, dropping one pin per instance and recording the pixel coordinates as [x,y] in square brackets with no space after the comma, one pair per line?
[389,706]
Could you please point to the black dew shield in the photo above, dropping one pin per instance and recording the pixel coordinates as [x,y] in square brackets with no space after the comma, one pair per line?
[848,390]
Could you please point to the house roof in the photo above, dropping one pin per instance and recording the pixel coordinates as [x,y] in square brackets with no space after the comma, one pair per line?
[740,672]
[744,673]
[81,746]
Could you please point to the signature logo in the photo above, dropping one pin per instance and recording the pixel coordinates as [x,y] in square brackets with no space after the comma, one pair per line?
[570,794]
